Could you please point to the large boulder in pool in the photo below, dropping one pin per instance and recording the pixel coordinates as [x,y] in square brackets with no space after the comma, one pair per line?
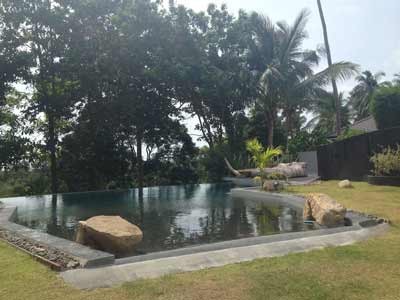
[324,210]
[112,234]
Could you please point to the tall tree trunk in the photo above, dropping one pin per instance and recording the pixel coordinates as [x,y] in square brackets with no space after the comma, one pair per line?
[52,149]
[270,136]
[139,141]
[328,54]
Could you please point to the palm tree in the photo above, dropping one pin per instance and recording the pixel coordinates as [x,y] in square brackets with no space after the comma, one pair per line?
[329,57]
[361,95]
[287,78]
[324,109]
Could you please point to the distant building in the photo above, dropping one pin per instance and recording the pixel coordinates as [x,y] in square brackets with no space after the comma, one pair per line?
[367,124]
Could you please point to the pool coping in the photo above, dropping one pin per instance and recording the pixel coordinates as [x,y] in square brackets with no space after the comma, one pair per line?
[86,256]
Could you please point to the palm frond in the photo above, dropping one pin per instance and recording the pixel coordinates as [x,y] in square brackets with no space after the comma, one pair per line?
[337,71]
[293,35]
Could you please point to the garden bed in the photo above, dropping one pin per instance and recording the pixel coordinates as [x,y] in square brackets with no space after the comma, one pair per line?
[55,259]
[384,180]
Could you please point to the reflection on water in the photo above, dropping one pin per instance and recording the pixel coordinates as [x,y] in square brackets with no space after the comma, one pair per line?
[170,217]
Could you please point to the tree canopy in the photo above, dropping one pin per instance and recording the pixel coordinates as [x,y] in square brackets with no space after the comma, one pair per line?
[107,86]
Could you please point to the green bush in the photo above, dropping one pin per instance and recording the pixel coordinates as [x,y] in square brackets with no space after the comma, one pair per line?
[386,107]
[276,176]
[387,163]
[307,141]
[350,133]
[23,182]
[211,165]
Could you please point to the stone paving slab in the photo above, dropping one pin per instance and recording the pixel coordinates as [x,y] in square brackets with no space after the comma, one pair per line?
[118,274]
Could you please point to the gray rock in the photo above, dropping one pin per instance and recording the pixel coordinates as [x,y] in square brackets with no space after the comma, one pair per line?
[72,264]
[345,184]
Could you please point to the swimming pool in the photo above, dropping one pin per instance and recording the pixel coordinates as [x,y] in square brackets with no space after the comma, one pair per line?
[171,217]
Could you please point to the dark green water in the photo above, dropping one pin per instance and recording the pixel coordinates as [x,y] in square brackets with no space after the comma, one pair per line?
[171,217]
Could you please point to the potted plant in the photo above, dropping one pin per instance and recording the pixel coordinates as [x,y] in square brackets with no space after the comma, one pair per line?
[386,169]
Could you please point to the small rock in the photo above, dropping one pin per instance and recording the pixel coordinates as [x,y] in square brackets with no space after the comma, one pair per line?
[345,184]
[38,249]
[272,186]
[72,264]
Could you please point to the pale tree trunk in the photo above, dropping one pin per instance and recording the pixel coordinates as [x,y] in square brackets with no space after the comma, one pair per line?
[329,57]
[52,149]
[270,136]
[139,141]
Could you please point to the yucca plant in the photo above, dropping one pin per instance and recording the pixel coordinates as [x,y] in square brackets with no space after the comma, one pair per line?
[261,157]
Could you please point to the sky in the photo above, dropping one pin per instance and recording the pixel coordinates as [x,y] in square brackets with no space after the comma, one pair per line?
[365,32]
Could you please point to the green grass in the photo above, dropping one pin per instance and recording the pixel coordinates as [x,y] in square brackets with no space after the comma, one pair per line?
[367,270]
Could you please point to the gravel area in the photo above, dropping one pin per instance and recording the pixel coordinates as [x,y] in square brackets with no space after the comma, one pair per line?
[55,256]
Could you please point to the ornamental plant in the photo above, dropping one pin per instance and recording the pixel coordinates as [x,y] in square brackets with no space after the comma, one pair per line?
[387,162]
[261,157]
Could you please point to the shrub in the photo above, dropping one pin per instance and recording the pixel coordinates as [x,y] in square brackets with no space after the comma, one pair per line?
[350,133]
[24,182]
[211,165]
[386,107]
[276,176]
[307,141]
[387,163]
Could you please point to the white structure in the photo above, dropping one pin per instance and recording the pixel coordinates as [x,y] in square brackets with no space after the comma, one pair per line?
[367,124]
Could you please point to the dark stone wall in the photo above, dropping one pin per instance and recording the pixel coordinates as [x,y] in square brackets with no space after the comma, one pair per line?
[349,159]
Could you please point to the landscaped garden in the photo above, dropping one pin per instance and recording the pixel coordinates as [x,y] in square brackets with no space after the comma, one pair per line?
[366,270]
[149,150]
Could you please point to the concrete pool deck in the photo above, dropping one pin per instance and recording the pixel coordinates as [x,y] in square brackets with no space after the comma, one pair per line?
[99,273]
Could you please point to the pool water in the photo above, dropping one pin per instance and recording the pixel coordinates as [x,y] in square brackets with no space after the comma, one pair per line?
[170,217]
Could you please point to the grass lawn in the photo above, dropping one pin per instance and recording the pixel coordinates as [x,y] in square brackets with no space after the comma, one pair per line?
[367,270]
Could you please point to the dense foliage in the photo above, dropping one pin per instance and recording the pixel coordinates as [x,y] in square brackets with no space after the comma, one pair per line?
[387,162]
[386,107]
[94,94]
[307,141]
[348,133]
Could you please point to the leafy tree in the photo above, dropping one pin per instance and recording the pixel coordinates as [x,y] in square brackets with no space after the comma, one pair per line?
[13,146]
[362,94]
[142,63]
[94,154]
[258,125]
[14,64]
[307,141]
[213,78]
[386,107]
[324,108]
[41,25]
